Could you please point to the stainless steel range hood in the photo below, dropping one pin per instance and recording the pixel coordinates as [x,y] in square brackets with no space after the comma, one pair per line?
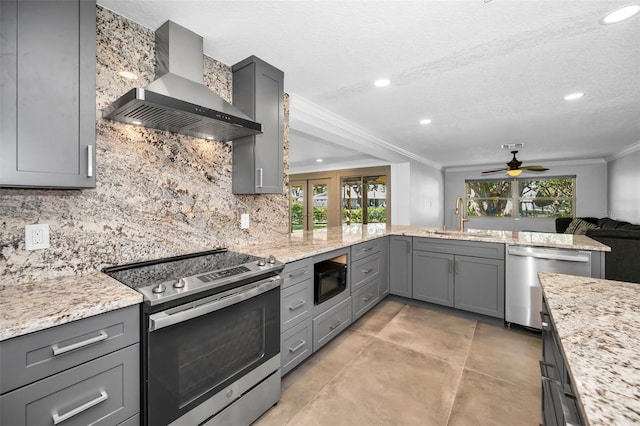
[178,101]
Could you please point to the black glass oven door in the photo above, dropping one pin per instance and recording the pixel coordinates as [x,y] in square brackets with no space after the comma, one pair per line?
[191,361]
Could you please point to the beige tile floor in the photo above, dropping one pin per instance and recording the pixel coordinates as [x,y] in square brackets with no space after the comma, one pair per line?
[408,363]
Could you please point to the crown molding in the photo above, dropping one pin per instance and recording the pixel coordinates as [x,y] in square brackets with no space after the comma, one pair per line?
[310,118]
[628,150]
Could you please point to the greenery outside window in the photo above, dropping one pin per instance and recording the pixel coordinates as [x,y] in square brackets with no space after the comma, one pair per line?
[541,198]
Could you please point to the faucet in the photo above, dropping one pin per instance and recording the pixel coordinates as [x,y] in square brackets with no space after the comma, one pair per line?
[460,212]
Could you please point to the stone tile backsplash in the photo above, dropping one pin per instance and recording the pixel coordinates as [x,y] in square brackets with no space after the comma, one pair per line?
[158,194]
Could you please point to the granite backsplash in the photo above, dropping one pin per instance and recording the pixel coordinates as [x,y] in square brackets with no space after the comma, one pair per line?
[158,194]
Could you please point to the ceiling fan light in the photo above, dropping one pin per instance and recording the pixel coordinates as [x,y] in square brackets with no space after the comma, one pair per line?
[514,173]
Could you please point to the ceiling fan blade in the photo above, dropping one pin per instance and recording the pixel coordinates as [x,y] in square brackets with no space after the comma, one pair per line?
[534,168]
[495,171]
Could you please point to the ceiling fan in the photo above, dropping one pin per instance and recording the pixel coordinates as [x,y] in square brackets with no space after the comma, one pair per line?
[514,167]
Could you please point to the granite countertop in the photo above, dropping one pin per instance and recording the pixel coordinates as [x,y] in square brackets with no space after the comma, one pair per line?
[309,243]
[26,308]
[599,328]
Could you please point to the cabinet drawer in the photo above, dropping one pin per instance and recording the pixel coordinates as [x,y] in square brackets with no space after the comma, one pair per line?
[466,248]
[365,298]
[296,272]
[131,421]
[330,323]
[296,345]
[34,356]
[365,270]
[296,304]
[362,250]
[105,391]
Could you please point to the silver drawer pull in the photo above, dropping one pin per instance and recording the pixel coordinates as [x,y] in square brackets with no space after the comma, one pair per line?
[297,347]
[89,160]
[545,324]
[298,306]
[369,297]
[336,325]
[297,273]
[366,271]
[367,249]
[57,418]
[57,350]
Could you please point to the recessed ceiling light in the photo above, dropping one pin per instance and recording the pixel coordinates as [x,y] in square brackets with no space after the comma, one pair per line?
[383,82]
[425,121]
[573,96]
[128,74]
[318,160]
[620,14]
[136,122]
[209,138]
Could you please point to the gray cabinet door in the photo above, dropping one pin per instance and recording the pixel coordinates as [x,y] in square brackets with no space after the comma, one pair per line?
[384,267]
[258,91]
[400,266]
[433,277]
[479,285]
[47,93]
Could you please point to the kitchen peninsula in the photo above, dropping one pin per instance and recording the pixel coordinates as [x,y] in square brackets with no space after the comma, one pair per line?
[597,324]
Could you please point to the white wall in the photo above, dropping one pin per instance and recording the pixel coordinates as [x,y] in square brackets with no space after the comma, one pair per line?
[416,194]
[591,195]
[624,187]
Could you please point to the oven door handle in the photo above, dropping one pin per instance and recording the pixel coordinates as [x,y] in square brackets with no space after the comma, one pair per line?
[166,319]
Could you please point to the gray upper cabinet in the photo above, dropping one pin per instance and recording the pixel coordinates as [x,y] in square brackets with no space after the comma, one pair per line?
[400,271]
[258,91]
[47,93]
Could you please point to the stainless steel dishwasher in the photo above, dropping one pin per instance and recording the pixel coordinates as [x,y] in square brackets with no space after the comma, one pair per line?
[523,295]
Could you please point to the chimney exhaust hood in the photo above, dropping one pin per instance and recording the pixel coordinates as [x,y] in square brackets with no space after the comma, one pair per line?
[178,101]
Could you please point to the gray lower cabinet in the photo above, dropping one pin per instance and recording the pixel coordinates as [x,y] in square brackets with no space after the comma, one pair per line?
[83,372]
[560,405]
[384,267]
[330,323]
[433,277]
[296,309]
[47,93]
[400,270]
[462,274]
[365,298]
[258,91]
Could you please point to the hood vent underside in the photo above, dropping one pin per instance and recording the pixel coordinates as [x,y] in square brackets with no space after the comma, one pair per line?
[178,101]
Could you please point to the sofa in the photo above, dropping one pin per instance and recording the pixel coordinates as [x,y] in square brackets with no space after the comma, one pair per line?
[623,262]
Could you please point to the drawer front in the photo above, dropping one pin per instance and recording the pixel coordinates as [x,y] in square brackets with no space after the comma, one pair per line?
[296,345]
[365,270]
[365,298]
[362,250]
[105,391]
[296,272]
[329,324]
[131,421]
[296,303]
[35,356]
[466,248]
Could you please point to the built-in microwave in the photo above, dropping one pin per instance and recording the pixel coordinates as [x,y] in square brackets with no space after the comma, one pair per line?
[330,278]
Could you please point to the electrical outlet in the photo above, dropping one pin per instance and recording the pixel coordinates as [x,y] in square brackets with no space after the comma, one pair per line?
[36,236]
[244,221]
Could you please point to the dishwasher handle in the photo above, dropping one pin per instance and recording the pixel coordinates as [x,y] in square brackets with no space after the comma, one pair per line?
[580,257]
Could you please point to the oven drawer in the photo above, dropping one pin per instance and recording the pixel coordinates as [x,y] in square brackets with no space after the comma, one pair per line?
[330,323]
[362,250]
[296,272]
[105,391]
[365,298]
[35,356]
[365,270]
[296,345]
[296,303]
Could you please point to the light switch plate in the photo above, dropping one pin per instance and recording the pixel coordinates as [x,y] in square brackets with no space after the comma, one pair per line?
[244,221]
[36,236]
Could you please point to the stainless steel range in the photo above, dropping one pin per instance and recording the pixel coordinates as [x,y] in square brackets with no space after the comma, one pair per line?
[210,338]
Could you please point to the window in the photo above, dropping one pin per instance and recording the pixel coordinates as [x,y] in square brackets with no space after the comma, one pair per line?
[545,198]
[364,206]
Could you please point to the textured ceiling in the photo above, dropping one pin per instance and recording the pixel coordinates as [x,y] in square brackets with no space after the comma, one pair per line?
[486,74]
